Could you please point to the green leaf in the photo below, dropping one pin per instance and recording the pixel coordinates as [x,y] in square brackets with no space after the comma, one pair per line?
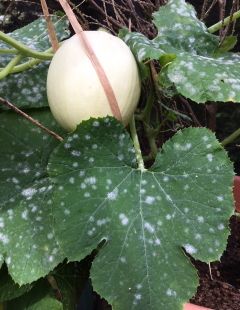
[202,79]
[27,239]
[199,69]
[39,298]
[146,218]
[27,89]
[8,288]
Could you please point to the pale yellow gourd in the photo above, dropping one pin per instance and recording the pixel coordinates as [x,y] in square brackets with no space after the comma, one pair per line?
[74,90]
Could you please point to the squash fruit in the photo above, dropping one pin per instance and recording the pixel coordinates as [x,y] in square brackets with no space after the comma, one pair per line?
[74,90]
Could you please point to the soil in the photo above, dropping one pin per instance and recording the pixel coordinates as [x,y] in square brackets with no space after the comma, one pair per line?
[219,287]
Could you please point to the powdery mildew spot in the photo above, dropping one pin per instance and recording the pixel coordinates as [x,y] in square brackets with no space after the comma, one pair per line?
[124,219]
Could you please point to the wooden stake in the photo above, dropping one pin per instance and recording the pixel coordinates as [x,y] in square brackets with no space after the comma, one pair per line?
[51,29]
[29,118]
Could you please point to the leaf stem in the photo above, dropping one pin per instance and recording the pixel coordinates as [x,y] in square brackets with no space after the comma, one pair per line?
[24,66]
[136,145]
[7,51]
[7,70]
[231,138]
[29,118]
[23,49]
[225,22]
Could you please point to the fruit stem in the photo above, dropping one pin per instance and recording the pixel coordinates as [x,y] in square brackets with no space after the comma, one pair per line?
[136,145]
[225,22]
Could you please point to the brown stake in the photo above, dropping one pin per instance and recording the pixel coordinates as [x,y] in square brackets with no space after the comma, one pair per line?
[29,118]
[93,58]
[51,30]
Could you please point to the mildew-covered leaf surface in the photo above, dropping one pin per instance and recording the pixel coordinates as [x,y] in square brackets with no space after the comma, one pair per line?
[198,69]
[28,89]
[27,240]
[147,219]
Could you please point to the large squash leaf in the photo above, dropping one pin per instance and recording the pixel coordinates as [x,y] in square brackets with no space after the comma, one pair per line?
[27,239]
[28,88]
[190,56]
[146,218]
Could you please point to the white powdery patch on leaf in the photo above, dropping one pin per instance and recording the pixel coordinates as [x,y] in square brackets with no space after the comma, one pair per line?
[113,195]
[124,219]
[29,192]
[4,238]
[190,249]
[150,200]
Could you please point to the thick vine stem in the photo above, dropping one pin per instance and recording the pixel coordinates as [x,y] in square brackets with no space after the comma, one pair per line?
[136,145]
[7,70]
[225,22]
[231,138]
[23,49]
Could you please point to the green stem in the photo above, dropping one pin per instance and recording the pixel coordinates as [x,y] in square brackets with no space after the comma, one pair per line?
[136,144]
[26,65]
[8,69]
[146,113]
[7,51]
[225,22]
[151,136]
[231,138]
[23,49]
[153,146]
